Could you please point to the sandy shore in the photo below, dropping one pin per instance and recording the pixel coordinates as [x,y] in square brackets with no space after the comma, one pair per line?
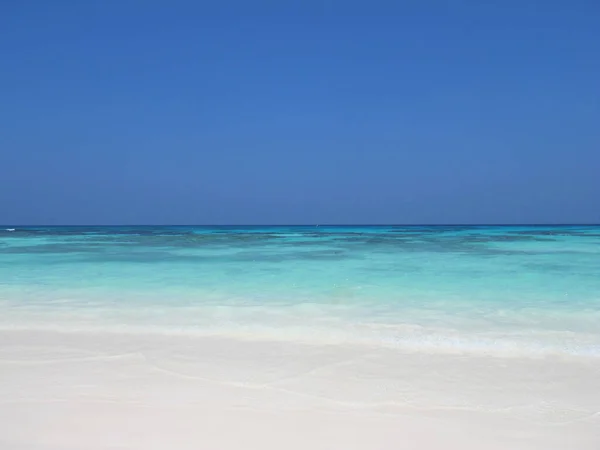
[95,391]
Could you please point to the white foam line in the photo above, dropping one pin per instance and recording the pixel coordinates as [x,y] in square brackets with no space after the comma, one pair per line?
[438,345]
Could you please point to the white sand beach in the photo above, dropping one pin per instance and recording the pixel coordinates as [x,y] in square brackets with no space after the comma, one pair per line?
[97,391]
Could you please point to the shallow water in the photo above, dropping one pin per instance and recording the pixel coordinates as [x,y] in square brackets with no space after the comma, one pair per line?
[483,290]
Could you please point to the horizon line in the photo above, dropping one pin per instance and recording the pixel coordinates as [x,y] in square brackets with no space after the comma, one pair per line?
[310,225]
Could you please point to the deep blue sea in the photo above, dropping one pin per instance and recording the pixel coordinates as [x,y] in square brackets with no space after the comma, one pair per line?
[500,290]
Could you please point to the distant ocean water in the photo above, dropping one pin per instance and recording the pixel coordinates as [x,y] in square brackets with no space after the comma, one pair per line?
[526,290]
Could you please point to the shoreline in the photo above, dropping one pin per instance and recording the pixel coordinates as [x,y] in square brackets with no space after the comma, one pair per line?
[67,390]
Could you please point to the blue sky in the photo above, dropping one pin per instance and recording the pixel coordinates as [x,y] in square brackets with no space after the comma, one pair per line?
[125,112]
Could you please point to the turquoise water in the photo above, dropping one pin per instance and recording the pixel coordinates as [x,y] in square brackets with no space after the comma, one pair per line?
[493,290]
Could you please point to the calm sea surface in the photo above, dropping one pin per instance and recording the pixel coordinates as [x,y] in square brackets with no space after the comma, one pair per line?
[493,290]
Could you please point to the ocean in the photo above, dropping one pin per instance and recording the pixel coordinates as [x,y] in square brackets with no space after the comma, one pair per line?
[480,290]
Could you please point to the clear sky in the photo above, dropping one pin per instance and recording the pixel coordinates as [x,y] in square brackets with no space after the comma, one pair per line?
[255,112]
